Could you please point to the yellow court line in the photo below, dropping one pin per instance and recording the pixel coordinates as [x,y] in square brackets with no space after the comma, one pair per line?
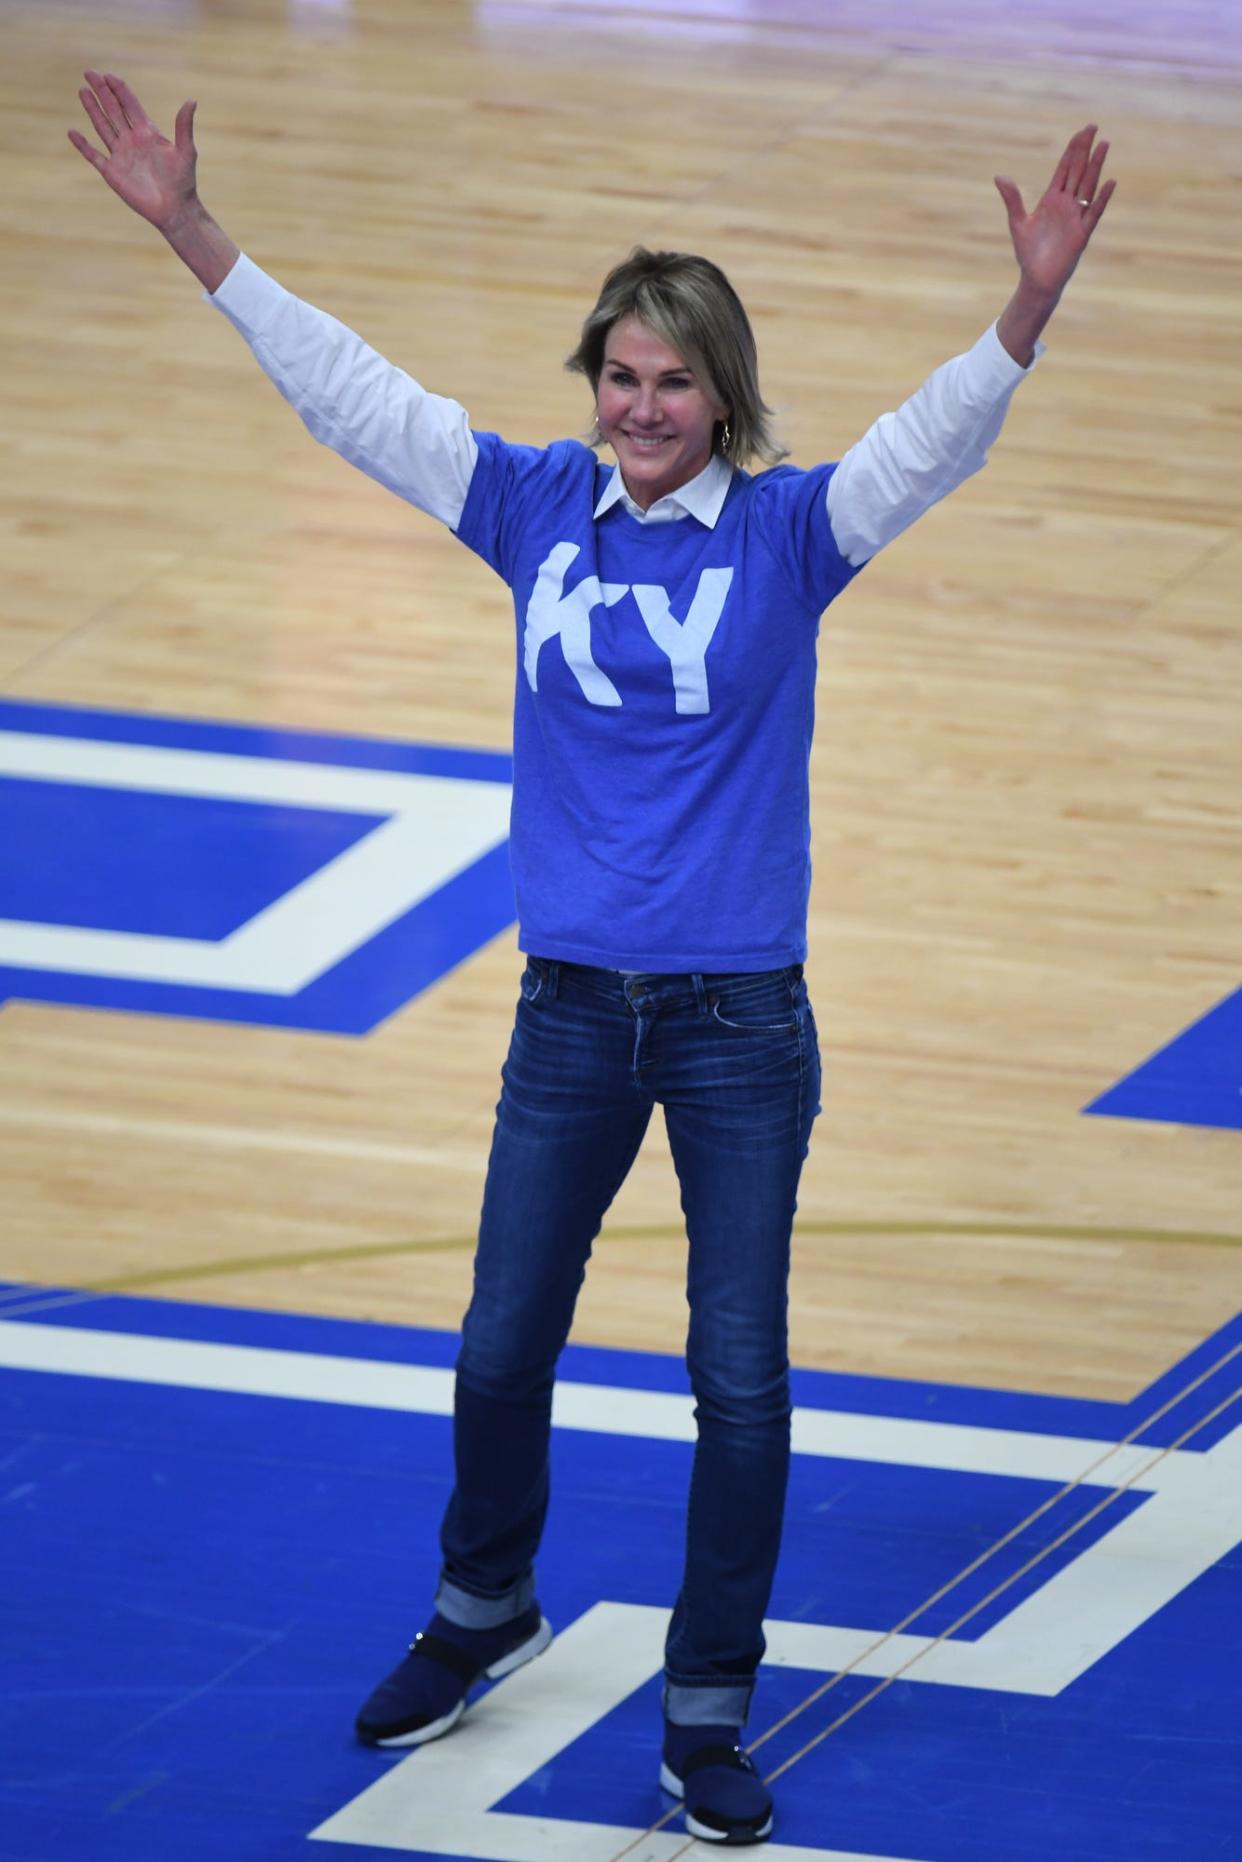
[1101,1506]
[129,1283]
[920,1654]
[363,1251]
[1017,1231]
[1046,1506]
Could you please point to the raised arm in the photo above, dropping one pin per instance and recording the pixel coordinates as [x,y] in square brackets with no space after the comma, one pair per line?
[351,398]
[910,459]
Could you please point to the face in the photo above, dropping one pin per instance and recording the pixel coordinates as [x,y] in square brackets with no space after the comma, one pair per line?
[655,411]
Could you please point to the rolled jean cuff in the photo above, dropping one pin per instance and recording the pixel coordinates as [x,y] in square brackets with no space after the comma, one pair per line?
[470,1611]
[717,1704]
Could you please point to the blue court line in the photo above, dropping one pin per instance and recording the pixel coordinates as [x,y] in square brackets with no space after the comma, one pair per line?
[112,859]
[238,873]
[330,747]
[1195,1079]
[188,1632]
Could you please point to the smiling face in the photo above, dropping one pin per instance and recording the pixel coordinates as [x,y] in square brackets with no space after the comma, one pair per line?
[656,412]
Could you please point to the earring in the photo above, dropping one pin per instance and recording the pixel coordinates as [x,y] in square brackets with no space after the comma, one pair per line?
[725,437]
[596,438]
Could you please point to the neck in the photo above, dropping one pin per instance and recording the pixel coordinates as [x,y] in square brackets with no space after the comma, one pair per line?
[644,496]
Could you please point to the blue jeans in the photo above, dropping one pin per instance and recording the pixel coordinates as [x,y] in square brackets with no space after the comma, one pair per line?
[734,1062]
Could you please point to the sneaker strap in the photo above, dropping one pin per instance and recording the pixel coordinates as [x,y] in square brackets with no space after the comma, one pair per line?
[447,1654]
[731,1756]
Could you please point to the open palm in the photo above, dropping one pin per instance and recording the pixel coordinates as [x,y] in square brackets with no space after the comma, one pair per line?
[152,175]
[1050,240]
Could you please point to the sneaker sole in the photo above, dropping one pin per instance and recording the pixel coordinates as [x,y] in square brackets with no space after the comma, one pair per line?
[670,1782]
[525,1652]
[516,1658]
[435,1729]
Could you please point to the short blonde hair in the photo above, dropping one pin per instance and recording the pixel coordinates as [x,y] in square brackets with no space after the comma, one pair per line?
[690,305]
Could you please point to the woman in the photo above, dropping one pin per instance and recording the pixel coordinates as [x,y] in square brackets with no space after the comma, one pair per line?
[667,613]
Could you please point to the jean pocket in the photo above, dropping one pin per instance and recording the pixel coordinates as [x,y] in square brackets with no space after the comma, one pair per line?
[533,979]
[759,1005]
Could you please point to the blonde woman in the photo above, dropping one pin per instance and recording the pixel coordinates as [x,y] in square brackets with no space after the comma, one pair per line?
[667,609]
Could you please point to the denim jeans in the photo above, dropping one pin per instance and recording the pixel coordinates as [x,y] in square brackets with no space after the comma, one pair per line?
[734,1062]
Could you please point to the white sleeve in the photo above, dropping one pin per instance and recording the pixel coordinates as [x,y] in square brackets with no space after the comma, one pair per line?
[907,461]
[365,408]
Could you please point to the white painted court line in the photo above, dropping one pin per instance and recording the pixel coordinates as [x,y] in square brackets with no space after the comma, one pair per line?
[436,827]
[215,775]
[1191,1518]
[439,1800]
[599,1408]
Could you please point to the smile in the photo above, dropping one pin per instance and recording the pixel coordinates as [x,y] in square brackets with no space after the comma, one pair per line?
[649,443]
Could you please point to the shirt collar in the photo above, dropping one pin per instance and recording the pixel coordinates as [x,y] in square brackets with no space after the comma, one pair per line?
[703,497]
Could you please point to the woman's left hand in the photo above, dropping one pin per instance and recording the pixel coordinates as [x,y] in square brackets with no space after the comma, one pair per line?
[1051,239]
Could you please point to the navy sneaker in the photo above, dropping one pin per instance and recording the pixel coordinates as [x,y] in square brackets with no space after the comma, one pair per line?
[726,1800]
[426,1693]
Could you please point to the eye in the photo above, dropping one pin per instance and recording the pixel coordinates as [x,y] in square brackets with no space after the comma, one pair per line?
[622,377]
[678,382]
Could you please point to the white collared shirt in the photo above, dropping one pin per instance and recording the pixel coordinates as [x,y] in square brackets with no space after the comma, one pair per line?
[701,497]
[420,445]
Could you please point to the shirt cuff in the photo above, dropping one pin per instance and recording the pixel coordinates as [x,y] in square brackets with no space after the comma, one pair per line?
[995,364]
[245,294]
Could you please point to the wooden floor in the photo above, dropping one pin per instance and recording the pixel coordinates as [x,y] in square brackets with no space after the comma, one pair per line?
[1028,777]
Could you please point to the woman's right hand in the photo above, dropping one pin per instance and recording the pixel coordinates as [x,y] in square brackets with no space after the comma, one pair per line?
[152,175]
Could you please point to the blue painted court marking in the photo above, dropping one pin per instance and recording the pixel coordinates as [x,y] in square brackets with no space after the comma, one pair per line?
[1195,1080]
[220,1526]
[232,873]
[239,874]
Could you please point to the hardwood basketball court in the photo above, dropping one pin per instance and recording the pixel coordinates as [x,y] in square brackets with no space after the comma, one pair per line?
[1027,781]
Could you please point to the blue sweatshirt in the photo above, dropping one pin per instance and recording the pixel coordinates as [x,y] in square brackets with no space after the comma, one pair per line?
[665,670]
[665,700]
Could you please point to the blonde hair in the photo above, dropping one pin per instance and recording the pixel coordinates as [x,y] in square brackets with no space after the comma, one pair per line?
[690,305]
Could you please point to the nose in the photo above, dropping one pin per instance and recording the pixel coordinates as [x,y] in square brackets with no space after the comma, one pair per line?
[646,408]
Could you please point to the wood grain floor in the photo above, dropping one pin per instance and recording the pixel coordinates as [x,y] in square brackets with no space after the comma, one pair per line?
[1027,781]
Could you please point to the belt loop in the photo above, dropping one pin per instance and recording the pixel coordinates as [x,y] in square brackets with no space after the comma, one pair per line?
[553,982]
[700,994]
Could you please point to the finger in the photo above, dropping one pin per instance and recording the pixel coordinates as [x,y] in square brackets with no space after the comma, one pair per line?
[112,103]
[1094,213]
[1091,180]
[99,118]
[183,129]
[134,112]
[1008,191]
[1059,178]
[1081,146]
[83,147]
[109,104]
